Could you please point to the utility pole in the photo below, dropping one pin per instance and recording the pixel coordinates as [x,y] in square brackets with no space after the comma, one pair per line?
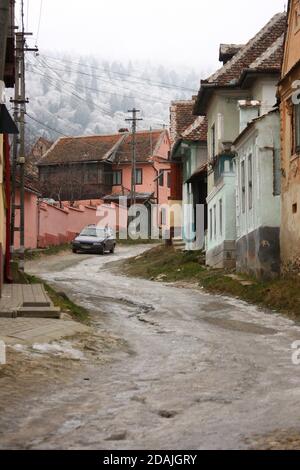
[18,163]
[134,121]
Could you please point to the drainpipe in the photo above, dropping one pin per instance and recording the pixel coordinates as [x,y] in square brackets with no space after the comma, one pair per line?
[156,179]
[38,222]
[8,275]
[157,190]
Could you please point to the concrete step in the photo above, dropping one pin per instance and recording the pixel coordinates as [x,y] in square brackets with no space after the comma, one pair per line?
[8,314]
[178,242]
[39,312]
[36,304]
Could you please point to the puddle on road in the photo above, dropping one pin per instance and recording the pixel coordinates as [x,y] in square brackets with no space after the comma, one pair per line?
[243,327]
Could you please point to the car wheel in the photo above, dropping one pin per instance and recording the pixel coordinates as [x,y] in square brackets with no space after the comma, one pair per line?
[113,249]
[101,252]
[74,250]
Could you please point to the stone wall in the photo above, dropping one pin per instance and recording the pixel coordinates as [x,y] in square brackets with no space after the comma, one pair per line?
[258,253]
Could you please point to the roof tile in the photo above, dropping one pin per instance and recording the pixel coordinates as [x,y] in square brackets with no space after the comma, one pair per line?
[256,51]
[80,149]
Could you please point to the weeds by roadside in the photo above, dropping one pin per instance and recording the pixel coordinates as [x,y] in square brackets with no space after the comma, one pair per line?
[51,250]
[131,242]
[167,265]
[61,300]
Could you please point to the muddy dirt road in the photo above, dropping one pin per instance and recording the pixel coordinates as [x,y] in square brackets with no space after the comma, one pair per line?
[189,371]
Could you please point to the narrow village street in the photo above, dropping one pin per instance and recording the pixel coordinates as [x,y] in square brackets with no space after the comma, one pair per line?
[180,369]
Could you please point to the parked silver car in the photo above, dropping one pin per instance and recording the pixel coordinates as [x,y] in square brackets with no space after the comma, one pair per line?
[94,239]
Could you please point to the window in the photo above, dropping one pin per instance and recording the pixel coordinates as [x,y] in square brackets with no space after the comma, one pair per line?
[169,180]
[138,176]
[163,216]
[100,175]
[221,216]
[117,178]
[243,185]
[297,128]
[213,141]
[90,174]
[215,221]
[250,182]
[210,224]
[161,178]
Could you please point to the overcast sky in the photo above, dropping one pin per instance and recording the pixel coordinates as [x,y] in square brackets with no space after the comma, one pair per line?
[180,32]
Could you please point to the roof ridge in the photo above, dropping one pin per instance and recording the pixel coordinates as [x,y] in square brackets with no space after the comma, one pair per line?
[197,123]
[246,48]
[179,102]
[87,136]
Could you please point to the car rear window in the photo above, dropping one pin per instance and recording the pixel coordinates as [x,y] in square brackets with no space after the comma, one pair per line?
[93,232]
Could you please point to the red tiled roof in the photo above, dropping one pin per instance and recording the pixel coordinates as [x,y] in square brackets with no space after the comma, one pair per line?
[115,148]
[181,115]
[252,52]
[147,143]
[263,53]
[227,51]
[81,149]
[42,141]
[31,184]
[197,131]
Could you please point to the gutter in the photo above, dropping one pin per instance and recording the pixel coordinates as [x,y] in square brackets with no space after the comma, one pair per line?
[206,88]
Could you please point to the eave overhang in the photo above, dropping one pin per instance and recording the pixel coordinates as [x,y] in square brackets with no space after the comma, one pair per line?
[245,81]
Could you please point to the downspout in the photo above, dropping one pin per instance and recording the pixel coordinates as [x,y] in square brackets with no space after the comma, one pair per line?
[8,275]
[38,222]
[157,190]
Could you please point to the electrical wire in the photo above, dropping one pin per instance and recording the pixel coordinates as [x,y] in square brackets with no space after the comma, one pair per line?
[39,22]
[100,78]
[78,97]
[27,15]
[138,79]
[96,90]
[84,144]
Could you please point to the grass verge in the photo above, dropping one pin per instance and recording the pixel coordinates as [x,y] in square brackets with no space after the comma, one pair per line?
[51,250]
[131,242]
[61,300]
[167,265]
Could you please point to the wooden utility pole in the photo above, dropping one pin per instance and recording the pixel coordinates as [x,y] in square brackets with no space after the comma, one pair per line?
[4,21]
[134,121]
[18,163]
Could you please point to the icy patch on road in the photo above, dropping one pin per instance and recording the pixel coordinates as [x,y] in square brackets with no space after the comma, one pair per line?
[63,349]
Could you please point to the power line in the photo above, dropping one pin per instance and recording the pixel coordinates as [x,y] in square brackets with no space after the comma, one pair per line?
[78,97]
[39,21]
[85,144]
[27,14]
[99,78]
[84,87]
[138,79]
[46,126]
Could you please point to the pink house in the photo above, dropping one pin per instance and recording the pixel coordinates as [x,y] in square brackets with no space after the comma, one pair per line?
[52,224]
[48,224]
[31,216]
[152,167]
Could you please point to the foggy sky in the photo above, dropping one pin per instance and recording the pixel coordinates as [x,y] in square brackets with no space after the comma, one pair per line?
[178,32]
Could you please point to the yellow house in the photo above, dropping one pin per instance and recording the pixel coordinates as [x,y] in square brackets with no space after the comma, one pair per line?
[2,197]
[289,93]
